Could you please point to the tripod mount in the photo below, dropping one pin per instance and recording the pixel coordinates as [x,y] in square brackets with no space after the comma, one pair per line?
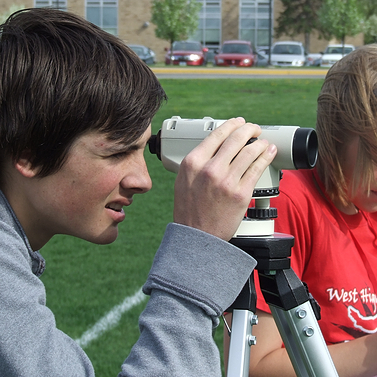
[293,308]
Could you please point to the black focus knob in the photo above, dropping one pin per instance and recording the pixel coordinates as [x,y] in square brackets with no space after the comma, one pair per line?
[262,213]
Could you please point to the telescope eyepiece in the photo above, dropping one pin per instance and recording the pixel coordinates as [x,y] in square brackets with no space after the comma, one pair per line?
[154,144]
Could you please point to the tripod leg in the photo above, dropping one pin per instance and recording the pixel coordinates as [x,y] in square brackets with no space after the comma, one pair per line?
[289,301]
[304,342]
[241,340]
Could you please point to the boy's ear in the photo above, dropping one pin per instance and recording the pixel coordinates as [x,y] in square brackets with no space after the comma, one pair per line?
[24,166]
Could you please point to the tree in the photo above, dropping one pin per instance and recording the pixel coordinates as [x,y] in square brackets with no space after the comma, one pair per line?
[175,19]
[341,18]
[370,29]
[298,17]
[369,8]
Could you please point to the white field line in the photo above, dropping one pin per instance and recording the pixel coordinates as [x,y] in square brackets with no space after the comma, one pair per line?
[111,319]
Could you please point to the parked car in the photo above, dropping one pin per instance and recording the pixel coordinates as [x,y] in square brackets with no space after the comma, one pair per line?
[335,52]
[187,53]
[314,59]
[263,50]
[288,54]
[210,56]
[261,60]
[144,53]
[235,53]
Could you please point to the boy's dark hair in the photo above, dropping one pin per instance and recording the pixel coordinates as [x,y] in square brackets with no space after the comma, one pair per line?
[61,76]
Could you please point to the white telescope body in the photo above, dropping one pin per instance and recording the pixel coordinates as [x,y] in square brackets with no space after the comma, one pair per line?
[297,148]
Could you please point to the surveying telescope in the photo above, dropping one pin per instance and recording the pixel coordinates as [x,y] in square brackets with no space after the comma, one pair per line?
[293,308]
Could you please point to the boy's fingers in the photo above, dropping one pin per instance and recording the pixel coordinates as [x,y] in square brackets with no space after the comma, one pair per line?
[231,132]
[237,140]
[248,156]
[256,169]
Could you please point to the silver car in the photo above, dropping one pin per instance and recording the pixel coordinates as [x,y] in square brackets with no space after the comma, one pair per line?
[288,54]
[335,52]
[144,53]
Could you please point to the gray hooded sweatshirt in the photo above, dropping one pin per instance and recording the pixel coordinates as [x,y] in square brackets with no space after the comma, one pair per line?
[193,279]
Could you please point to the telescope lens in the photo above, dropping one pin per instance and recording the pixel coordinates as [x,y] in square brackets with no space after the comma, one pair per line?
[305,148]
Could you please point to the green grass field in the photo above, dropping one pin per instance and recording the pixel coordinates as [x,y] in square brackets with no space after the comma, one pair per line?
[86,281]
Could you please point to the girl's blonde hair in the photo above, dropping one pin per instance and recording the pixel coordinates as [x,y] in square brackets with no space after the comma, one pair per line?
[347,109]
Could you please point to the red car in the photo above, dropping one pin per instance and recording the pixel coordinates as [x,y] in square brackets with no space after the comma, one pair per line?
[235,53]
[187,53]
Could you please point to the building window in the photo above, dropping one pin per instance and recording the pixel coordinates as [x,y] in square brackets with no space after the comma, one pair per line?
[57,4]
[255,21]
[103,13]
[209,29]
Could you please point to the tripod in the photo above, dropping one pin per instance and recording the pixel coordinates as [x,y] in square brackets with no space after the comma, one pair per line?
[294,310]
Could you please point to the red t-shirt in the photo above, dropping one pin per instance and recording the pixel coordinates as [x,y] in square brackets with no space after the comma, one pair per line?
[334,253]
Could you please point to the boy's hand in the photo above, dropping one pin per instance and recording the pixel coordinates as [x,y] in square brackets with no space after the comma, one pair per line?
[216,180]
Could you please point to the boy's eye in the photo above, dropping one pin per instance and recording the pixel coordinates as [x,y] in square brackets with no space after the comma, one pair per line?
[128,150]
[119,155]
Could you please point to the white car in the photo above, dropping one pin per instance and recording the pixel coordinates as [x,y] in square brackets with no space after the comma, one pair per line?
[314,59]
[335,52]
[288,54]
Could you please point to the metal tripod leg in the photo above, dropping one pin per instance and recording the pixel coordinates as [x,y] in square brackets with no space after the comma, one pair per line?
[304,342]
[241,338]
[302,337]
[240,343]
[291,307]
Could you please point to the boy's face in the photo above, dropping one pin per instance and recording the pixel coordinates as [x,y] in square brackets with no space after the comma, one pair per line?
[85,198]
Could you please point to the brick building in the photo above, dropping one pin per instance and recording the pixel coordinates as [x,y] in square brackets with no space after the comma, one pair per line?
[219,20]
